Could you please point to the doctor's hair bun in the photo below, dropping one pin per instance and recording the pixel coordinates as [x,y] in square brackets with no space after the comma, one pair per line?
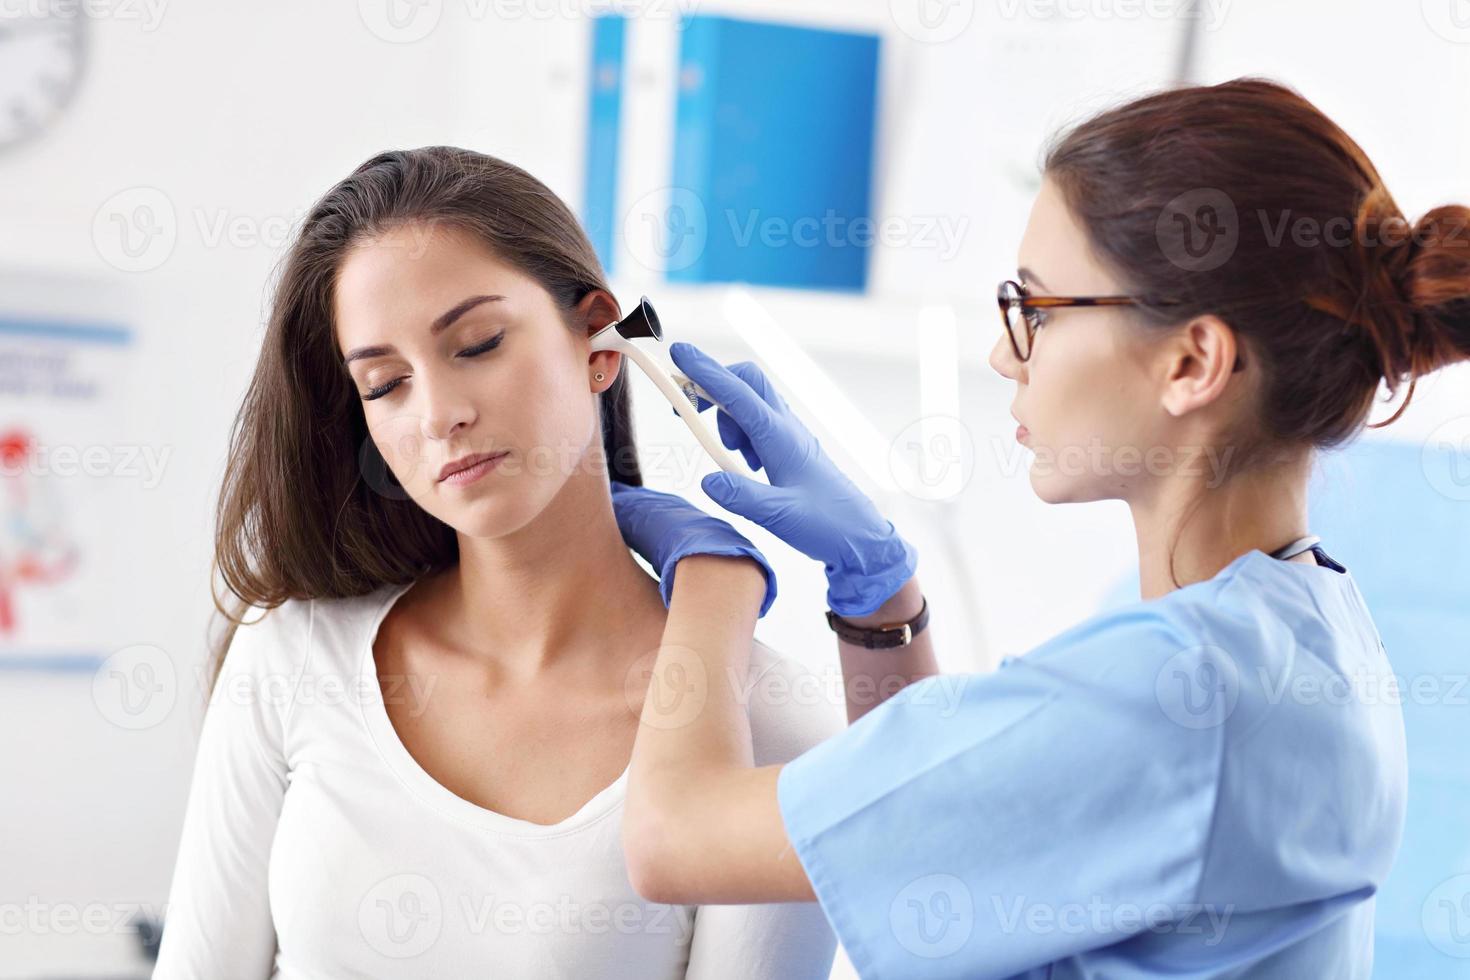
[1404,288]
[1436,279]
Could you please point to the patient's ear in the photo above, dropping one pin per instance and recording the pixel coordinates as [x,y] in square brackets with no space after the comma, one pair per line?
[596,310]
[606,363]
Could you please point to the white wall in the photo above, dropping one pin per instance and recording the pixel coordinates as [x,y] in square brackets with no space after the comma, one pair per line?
[245,113]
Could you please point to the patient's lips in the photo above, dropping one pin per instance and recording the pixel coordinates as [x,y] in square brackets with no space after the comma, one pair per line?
[468,469]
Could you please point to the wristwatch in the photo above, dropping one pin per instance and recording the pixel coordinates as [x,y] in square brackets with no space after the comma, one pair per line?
[883,637]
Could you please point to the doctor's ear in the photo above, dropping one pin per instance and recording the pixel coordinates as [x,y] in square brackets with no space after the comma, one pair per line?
[1199,361]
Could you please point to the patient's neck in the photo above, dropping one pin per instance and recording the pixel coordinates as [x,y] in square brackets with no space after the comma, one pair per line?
[562,593]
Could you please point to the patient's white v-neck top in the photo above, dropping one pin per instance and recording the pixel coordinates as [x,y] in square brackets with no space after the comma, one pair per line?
[315,846]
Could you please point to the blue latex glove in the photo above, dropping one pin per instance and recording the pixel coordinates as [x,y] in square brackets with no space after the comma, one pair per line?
[664,528]
[810,504]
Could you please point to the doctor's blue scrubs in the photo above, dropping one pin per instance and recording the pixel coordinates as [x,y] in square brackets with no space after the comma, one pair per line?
[1210,784]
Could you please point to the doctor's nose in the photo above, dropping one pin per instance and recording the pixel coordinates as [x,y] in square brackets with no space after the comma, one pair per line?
[1005,362]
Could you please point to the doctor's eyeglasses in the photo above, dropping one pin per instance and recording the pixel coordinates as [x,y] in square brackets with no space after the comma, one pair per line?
[1023,314]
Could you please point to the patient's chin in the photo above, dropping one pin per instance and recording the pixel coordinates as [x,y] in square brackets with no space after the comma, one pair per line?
[488,520]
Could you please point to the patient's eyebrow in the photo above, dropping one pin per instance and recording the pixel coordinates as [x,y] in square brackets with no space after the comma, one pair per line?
[444,322]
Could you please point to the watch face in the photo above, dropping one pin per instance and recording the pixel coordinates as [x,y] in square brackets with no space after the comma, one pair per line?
[42,44]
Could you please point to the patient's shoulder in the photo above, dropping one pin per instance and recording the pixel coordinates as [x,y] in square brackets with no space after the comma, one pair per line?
[268,639]
[792,707]
[323,635]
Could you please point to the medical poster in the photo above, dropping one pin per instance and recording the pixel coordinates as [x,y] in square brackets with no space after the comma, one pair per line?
[65,450]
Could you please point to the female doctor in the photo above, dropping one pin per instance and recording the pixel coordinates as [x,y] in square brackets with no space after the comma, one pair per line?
[1210,273]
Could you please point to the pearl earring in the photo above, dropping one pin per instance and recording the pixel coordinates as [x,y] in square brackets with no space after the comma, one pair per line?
[598,376]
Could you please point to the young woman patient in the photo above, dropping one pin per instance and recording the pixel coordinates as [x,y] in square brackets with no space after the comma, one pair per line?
[414,758]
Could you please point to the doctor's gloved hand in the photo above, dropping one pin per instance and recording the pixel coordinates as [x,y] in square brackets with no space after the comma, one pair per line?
[810,504]
[665,528]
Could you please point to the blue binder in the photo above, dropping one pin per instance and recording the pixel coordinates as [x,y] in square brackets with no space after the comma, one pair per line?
[604,116]
[774,139]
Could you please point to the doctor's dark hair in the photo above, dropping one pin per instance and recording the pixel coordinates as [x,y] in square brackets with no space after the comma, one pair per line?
[1244,201]
[307,508]
[1314,266]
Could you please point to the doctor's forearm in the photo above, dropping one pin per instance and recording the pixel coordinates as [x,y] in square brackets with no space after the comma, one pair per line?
[871,677]
[702,824]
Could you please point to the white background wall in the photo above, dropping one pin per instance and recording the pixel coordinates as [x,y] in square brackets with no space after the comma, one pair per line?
[245,113]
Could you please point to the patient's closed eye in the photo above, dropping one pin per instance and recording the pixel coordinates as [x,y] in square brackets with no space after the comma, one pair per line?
[475,351]
[481,348]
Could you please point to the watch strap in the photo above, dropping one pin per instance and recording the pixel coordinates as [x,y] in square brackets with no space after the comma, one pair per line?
[883,637]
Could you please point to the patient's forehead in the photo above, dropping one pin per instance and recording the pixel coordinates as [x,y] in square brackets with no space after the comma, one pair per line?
[411,275]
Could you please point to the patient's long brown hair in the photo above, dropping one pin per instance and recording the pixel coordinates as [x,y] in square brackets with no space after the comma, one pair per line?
[307,509]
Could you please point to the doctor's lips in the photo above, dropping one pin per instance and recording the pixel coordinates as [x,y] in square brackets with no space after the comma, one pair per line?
[1021,430]
[468,468]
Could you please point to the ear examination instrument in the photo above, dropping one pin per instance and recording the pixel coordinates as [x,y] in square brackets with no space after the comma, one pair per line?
[639,336]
